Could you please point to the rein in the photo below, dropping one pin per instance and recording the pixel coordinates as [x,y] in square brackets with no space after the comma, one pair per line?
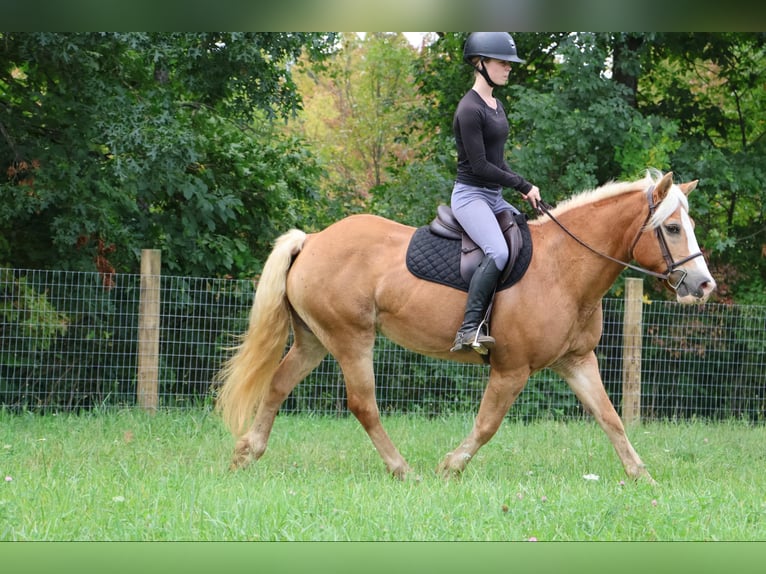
[672,265]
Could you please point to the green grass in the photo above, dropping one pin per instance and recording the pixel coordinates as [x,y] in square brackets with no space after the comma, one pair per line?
[130,476]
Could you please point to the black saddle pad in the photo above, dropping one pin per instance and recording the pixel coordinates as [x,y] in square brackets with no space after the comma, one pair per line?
[437,259]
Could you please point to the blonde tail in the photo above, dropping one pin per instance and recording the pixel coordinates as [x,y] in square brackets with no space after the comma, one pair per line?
[246,376]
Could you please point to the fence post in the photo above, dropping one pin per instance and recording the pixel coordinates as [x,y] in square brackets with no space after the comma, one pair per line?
[631,351]
[149,331]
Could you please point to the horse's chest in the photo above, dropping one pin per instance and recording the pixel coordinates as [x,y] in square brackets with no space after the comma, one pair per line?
[588,324]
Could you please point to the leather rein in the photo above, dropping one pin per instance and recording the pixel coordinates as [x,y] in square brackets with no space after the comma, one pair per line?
[672,266]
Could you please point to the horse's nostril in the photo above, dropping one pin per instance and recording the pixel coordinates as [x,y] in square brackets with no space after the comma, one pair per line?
[705,288]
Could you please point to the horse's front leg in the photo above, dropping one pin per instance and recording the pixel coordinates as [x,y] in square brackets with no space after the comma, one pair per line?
[498,397]
[583,376]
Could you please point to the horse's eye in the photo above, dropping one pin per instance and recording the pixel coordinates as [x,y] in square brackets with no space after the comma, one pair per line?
[673,228]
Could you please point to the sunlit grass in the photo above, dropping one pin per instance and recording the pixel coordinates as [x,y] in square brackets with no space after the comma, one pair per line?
[131,476]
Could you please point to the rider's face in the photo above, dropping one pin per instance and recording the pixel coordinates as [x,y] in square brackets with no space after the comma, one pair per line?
[498,70]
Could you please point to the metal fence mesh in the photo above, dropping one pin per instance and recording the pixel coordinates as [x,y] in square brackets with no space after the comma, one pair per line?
[70,342]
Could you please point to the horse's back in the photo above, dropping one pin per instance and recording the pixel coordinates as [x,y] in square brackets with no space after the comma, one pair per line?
[347,261]
[362,239]
[364,226]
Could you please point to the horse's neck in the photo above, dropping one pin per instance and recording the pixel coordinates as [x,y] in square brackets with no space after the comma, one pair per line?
[610,227]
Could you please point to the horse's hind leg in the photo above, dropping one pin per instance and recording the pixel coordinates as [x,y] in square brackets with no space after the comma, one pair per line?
[357,367]
[304,355]
[584,378]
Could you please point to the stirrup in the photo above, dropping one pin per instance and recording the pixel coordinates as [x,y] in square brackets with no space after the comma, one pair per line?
[476,341]
[482,344]
[475,338]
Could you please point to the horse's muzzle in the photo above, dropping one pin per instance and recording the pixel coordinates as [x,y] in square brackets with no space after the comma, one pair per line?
[695,288]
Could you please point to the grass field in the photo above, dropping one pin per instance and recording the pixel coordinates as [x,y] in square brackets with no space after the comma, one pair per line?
[127,475]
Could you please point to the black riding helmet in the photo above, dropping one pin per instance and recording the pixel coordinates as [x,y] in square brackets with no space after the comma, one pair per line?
[496,45]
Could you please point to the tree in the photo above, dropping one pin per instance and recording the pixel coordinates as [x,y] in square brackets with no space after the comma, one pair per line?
[112,142]
[711,85]
[356,114]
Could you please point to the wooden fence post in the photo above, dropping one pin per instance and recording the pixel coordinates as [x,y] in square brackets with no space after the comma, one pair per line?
[631,351]
[149,331]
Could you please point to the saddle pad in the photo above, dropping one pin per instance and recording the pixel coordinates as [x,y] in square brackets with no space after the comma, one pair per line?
[437,259]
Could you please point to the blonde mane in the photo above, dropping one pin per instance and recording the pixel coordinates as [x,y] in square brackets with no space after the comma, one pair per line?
[672,201]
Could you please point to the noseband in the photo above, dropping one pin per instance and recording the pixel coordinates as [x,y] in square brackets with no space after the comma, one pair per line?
[672,266]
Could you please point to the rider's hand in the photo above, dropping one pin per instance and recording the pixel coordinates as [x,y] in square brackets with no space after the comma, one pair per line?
[532,196]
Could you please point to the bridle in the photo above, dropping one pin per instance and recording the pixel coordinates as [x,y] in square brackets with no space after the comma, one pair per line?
[672,266]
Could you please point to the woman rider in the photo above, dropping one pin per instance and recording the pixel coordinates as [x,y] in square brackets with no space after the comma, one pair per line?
[481,131]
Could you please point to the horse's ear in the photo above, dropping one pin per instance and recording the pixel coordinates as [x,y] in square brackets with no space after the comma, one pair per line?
[662,188]
[688,187]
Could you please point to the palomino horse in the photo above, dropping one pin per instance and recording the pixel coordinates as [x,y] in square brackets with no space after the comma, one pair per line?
[339,287]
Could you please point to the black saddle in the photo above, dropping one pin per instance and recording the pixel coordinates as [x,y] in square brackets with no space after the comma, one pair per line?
[443,253]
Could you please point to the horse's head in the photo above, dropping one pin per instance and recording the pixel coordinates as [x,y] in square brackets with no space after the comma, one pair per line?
[669,245]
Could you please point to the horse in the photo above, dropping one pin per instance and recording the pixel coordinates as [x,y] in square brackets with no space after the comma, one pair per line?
[337,288]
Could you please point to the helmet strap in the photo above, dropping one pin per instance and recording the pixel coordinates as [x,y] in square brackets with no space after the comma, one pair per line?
[483,71]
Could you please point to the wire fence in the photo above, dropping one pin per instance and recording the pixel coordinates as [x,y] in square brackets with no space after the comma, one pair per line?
[70,343]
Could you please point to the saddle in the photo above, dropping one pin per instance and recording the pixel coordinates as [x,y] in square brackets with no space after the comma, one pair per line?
[443,253]
[446,225]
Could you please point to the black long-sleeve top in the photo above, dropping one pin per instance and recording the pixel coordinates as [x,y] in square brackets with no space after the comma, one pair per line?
[481,133]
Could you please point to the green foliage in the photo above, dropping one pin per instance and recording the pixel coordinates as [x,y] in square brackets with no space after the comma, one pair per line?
[356,117]
[412,193]
[111,143]
[20,304]
[577,130]
[649,141]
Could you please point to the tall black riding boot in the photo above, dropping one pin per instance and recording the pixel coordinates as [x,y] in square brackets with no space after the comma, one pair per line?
[480,292]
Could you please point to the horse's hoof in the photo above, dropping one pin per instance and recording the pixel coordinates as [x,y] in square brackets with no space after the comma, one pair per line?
[448,471]
[240,459]
[402,473]
[648,479]
[641,475]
